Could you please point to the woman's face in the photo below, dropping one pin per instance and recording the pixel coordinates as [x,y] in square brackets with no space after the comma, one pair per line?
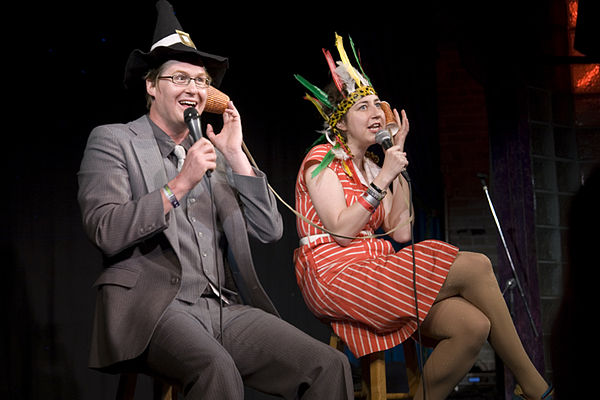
[363,120]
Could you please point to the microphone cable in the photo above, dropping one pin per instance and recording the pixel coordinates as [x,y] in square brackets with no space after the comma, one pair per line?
[215,244]
[192,120]
[384,138]
[414,265]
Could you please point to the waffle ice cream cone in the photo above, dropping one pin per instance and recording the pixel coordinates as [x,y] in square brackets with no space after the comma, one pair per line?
[390,121]
[216,101]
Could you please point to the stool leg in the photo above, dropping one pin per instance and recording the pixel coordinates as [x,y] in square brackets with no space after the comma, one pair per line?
[170,393]
[377,371]
[373,380]
[413,373]
[164,390]
[336,342]
[126,388]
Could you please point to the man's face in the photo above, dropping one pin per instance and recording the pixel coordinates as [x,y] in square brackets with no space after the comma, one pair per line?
[170,99]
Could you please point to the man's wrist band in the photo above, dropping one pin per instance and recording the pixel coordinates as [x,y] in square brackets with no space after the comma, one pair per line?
[170,196]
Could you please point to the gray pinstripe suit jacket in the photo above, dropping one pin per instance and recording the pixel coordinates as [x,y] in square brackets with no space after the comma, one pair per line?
[120,178]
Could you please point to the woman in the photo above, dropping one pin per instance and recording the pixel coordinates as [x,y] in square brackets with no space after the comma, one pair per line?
[358,283]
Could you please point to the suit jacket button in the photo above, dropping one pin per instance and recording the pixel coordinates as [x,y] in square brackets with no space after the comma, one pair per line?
[175,280]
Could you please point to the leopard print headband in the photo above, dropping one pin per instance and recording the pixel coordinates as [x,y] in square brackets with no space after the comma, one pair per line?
[343,106]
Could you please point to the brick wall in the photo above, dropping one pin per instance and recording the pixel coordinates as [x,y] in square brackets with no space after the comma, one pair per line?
[464,148]
[464,153]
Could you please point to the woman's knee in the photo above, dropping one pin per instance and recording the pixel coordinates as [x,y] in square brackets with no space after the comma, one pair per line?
[473,266]
[486,276]
[483,262]
[468,269]
[473,331]
[457,319]
[475,261]
[479,327]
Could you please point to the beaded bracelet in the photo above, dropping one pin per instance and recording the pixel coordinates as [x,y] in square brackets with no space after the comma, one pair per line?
[170,196]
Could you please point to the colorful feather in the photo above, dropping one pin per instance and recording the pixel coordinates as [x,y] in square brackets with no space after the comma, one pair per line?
[318,93]
[318,105]
[324,163]
[346,168]
[320,140]
[356,56]
[336,79]
[339,43]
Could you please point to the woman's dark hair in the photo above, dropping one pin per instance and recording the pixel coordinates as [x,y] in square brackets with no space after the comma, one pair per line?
[334,96]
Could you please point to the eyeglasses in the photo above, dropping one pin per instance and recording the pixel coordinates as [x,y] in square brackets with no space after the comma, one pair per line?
[184,80]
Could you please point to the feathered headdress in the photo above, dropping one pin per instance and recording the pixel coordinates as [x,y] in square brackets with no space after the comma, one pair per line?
[352,85]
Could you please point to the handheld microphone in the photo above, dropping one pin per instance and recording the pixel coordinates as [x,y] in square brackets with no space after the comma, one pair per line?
[192,119]
[384,138]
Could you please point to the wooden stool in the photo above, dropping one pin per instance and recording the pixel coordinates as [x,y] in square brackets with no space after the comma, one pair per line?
[126,389]
[373,384]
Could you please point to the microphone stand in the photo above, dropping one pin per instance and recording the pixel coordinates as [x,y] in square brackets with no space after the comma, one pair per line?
[515,280]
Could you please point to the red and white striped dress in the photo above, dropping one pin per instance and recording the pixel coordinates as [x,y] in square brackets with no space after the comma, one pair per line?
[364,290]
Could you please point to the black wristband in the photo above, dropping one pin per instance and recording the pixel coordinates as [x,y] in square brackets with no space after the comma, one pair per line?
[374,191]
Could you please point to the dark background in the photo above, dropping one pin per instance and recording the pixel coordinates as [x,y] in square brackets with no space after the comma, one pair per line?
[67,77]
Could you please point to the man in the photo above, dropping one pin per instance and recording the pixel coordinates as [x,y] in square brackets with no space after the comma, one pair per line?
[179,297]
